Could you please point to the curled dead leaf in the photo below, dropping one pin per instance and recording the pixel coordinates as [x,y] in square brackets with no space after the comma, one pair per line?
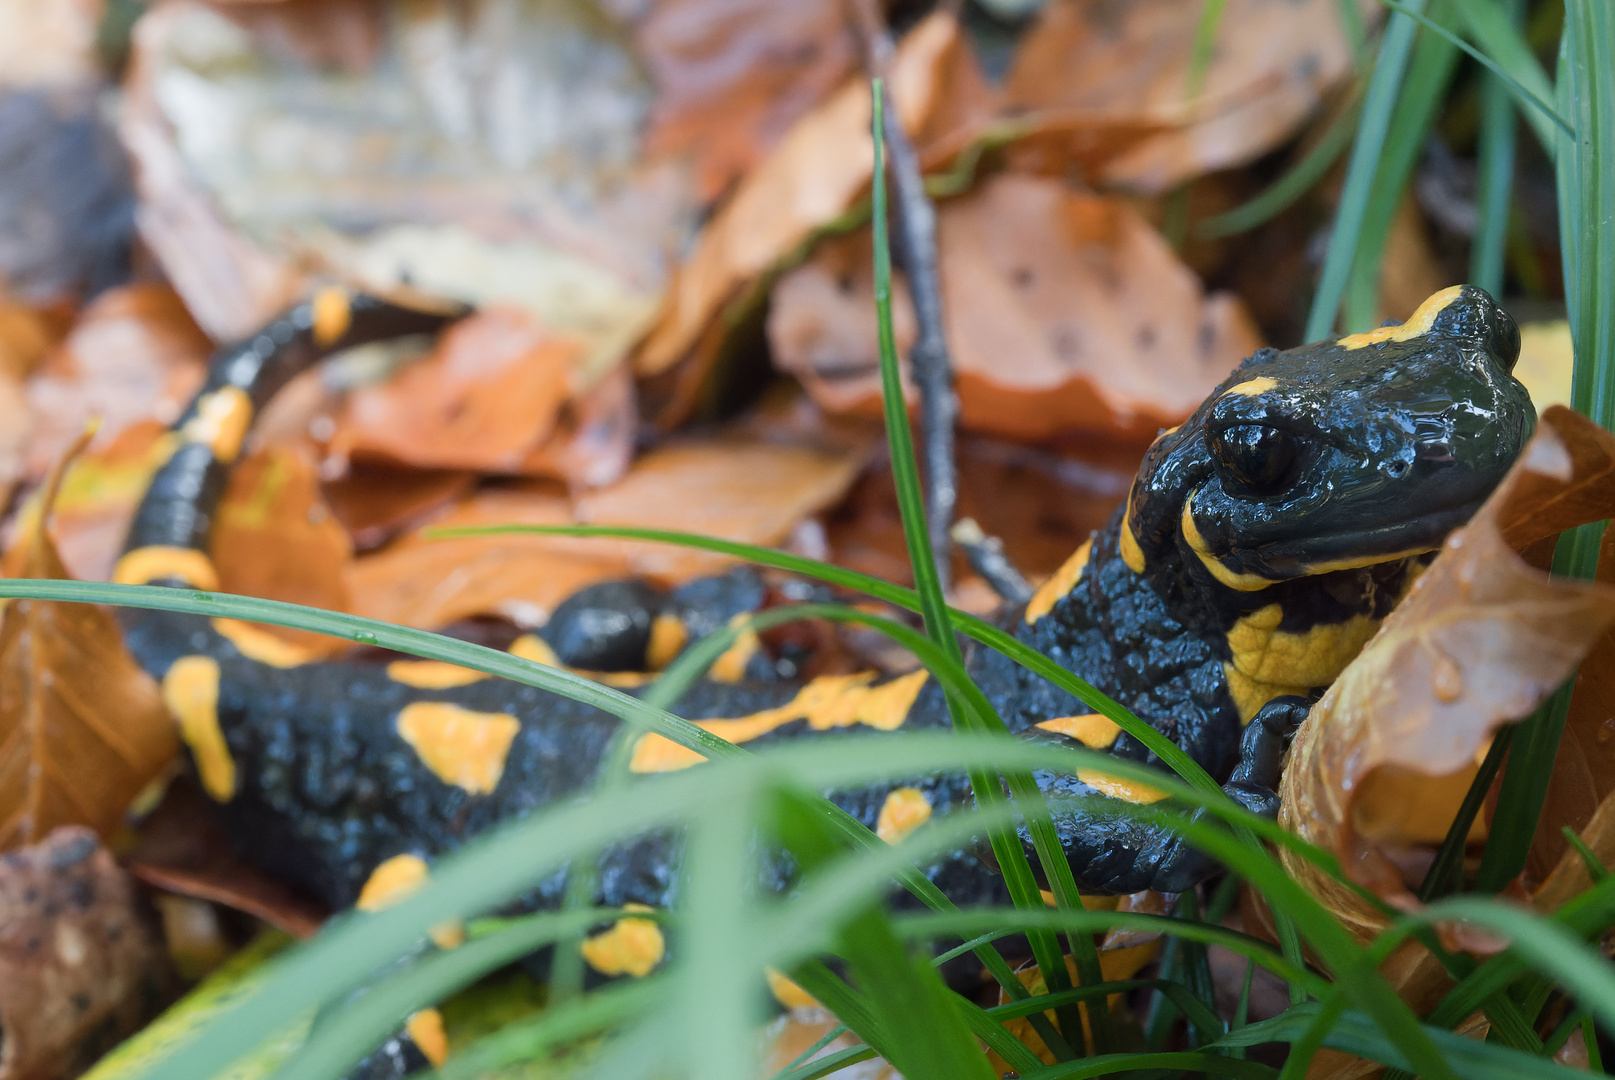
[1065,312]
[83,728]
[1480,641]
[1272,62]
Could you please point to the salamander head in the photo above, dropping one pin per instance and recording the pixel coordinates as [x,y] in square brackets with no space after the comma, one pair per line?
[1343,453]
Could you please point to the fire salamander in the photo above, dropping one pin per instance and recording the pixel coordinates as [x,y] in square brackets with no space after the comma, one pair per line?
[1262,542]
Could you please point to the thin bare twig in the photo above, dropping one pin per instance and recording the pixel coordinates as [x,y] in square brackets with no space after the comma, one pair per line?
[929,360]
[986,557]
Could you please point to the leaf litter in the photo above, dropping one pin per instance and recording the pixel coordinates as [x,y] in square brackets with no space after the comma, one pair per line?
[658,206]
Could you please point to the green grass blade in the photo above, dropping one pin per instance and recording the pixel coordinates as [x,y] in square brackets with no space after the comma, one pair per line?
[1526,95]
[1396,45]
[1199,1015]
[1533,751]
[341,1039]
[1493,27]
[1354,1033]
[1595,866]
[528,1039]
[1434,61]
[1587,209]
[1199,1064]
[934,608]
[1494,181]
[829,1064]
[1445,873]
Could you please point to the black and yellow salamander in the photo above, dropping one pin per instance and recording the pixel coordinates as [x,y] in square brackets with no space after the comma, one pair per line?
[1262,542]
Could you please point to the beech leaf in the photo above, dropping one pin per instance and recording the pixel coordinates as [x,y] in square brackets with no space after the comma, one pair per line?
[83,728]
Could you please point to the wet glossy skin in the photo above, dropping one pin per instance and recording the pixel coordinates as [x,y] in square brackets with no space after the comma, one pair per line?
[1263,540]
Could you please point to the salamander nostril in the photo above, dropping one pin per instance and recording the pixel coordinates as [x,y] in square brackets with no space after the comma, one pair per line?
[1397,468]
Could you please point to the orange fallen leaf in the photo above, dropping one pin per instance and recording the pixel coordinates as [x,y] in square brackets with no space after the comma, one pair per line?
[97,499]
[1482,639]
[740,489]
[275,538]
[83,728]
[135,354]
[1272,62]
[1065,312]
[488,395]
[731,77]
[821,165]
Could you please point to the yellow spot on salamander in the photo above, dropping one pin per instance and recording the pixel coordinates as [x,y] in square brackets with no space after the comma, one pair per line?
[1127,543]
[1061,582]
[426,1028]
[1091,730]
[144,565]
[830,701]
[1268,662]
[432,674]
[221,422]
[1418,323]
[191,692]
[788,993]
[668,636]
[534,648]
[1234,579]
[1126,790]
[631,947]
[1251,387]
[395,880]
[905,809]
[333,314]
[461,747]
[256,643]
[392,881]
[730,667]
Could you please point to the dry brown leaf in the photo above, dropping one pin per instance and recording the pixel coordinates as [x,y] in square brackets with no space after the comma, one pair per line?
[275,538]
[1065,312]
[821,165]
[83,728]
[374,500]
[134,355]
[733,75]
[1272,62]
[183,848]
[1481,640]
[486,397]
[493,155]
[97,500]
[79,965]
[744,490]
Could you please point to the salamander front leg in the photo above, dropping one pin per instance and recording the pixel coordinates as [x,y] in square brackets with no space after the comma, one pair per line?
[1113,853]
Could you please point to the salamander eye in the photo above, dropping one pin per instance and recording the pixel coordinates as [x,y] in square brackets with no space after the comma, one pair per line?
[1259,458]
